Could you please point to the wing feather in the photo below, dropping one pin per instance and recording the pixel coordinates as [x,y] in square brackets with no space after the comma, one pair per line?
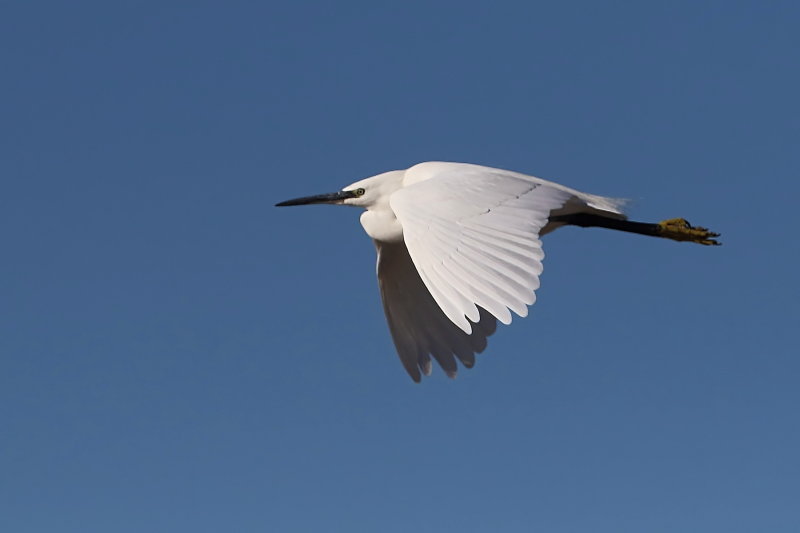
[420,329]
[473,235]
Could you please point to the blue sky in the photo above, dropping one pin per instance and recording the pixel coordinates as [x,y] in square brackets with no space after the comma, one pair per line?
[178,355]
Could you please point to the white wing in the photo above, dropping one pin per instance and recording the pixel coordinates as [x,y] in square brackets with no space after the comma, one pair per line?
[473,235]
[419,327]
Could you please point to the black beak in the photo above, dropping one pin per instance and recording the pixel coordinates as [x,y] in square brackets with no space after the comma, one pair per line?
[330,198]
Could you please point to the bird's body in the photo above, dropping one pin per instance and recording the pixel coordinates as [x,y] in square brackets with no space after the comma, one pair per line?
[459,248]
[380,221]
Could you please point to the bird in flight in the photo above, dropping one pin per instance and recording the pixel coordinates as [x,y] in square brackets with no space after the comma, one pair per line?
[459,249]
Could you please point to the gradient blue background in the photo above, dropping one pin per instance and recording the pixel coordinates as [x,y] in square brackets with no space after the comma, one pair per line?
[179,355]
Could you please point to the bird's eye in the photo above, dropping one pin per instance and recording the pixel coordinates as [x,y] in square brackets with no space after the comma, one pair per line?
[360,191]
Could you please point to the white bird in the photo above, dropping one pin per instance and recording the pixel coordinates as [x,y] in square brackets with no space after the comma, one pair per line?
[459,248]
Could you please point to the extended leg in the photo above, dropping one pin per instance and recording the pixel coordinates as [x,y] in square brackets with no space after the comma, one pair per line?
[677,229]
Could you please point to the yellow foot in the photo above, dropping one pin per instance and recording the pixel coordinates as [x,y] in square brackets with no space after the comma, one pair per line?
[678,229]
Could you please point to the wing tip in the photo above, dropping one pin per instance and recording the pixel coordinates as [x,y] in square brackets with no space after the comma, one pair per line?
[414,375]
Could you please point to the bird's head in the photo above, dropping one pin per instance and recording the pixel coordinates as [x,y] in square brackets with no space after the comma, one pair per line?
[366,193]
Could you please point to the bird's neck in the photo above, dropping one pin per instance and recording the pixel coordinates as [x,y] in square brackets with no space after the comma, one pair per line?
[382,225]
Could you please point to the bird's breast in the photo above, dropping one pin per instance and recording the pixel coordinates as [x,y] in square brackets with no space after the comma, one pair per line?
[382,225]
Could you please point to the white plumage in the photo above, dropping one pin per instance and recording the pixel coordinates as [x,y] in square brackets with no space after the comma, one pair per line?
[459,248]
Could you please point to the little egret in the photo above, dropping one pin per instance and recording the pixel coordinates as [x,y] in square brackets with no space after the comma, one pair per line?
[458,249]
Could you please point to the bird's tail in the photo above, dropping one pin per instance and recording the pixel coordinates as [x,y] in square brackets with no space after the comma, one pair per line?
[608,205]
